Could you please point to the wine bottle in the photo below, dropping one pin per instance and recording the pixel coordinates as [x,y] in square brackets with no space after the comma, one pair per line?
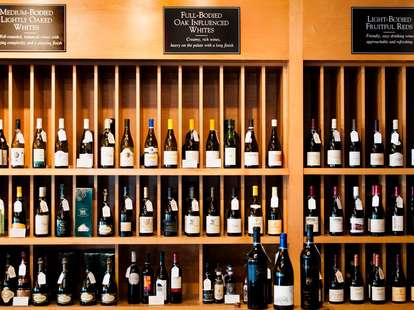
[397,216]
[257,264]
[229,281]
[255,213]
[107,146]
[170,147]
[192,217]
[410,222]
[336,284]
[61,147]
[208,289]
[251,148]
[245,296]
[63,216]
[313,146]
[106,222]
[170,219]
[398,283]
[356,287]
[23,277]
[146,216]
[39,146]
[133,276]
[151,147]
[274,221]
[354,149]
[336,216]
[147,280]
[127,147]
[231,149]
[88,291]
[176,290]
[8,289]
[4,148]
[212,147]
[126,221]
[311,212]
[370,275]
[395,147]
[191,147]
[412,288]
[234,216]
[19,214]
[218,287]
[357,220]
[3,218]
[212,217]
[161,283]
[376,159]
[378,283]
[42,215]
[17,148]
[40,292]
[282,277]
[376,222]
[310,268]
[274,149]
[334,147]
[109,295]
[64,289]
[86,146]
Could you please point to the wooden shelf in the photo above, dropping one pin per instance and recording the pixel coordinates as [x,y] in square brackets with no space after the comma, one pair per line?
[358,171]
[143,171]
[348,306]
[363,239]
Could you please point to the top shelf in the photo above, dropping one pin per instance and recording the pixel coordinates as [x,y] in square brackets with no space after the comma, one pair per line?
[358,171]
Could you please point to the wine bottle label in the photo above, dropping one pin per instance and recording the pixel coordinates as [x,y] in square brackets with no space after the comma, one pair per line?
[17,206]
[336,295]
[357,225]
[43,206]
[41,278]
[192,224]
[207,284]
[7,295]
[61,159]
[395,138]
[255,221]
[378,293]
[251,159]
[334,157]
[377,225]
[161,288]
[218,291]
[376,159]
[39,298]
[17,157]
[41,224]
[170,158]
[274,158]
[230,288]
[283,295]
[111,138]
[354,158]
[108,298]
[147,284]
[235,204]
[399,294]
[106,211]
[126,226]
[128,204]
[316,138]
[146,224]
[230,156]
[64,299]
[38,158]
[150,157]
[85,161]
[91,277]
[396,160]
[88,137]
[211,158]
[377,137]
[175,279]
[356,293]
[107,155]
[148,205]
[133,278]
[354,136]
[170,226]
[274,227]
[191,156]
[87,297]
[126,158]
[336,224]
[22,270]
[43,135]
[314,221]
[313,159]
[412,293]
[336,136]
[105,230]
[3,157]
[208,296]
[212,224]
[398,223]
[233,226]
[62,135]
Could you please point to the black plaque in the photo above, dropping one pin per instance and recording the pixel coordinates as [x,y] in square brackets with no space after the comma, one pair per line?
[382,30]
[202,30]
[32,28]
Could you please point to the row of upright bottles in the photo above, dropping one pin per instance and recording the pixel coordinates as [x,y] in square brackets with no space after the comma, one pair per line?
[374,219]
[150,157]
[380,153]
